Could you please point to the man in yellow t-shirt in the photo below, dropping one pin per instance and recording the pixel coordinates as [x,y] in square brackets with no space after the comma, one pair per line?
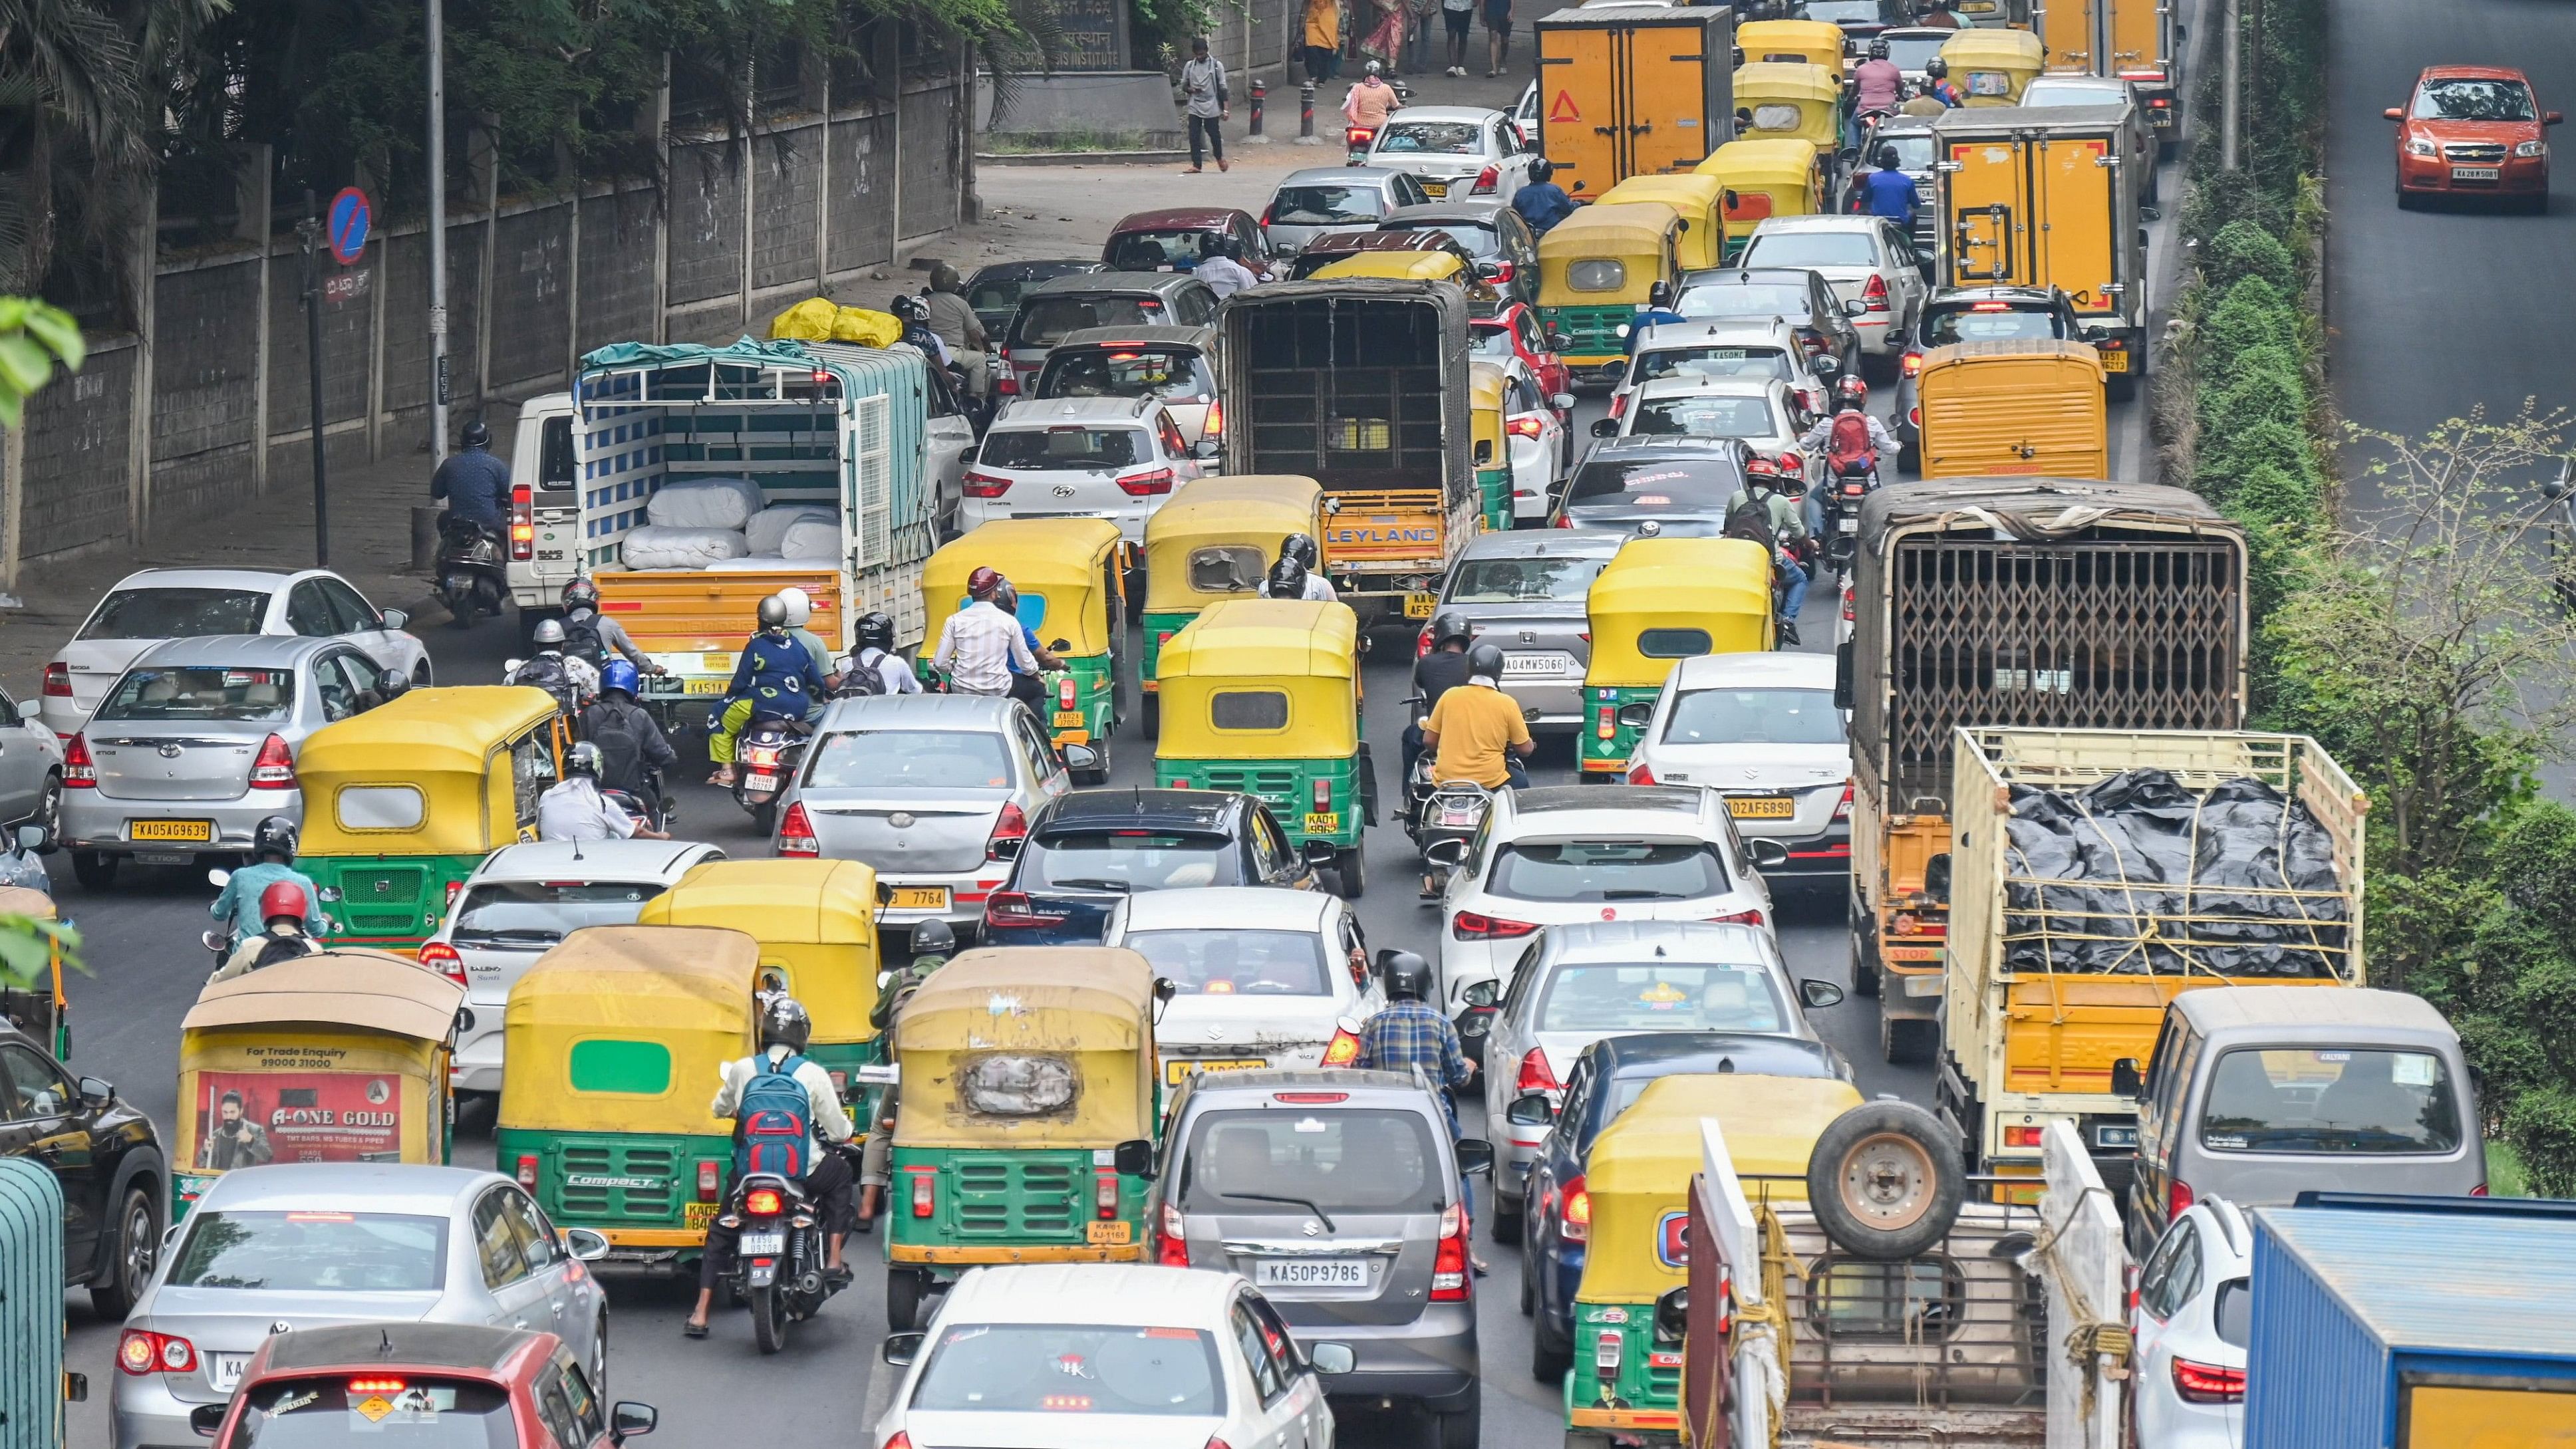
[1476,732]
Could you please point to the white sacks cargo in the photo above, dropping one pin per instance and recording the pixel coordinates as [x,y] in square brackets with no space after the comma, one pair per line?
[768,528]
[812,540]
[727,503]
[659,547]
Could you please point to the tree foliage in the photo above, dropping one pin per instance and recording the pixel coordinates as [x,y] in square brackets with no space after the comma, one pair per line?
[27,947]
[34,336]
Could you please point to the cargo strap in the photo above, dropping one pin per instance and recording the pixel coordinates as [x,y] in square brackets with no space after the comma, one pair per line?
[2097,1347]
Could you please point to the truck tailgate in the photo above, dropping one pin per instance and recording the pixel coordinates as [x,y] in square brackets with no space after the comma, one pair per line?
[2033,413]
[694,624]
[1382,530]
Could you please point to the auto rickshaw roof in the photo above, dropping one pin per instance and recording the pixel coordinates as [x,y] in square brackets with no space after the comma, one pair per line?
[347,987]
[831,902]
[1237,504]
[1033,553]
[1783,80]
[1265,638]
[2042,350]
[1654,576]
[1485,385]
[1386,262]
[22,901]
[1624,228]
[426,731]
[1994,47]
[1800,35]
[1698,190]
[1771,160]
[1106,984]
[692,977]
[1771,1126]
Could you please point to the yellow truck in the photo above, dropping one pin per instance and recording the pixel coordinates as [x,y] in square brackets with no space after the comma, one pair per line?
[2135,40]
[2043,198]
[1633,90]
[2097,874]
[2000,408]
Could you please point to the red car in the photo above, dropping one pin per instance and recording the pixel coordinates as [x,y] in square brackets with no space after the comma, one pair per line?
[1514,331]
[1156,241]
[2473,130]
[439,1384]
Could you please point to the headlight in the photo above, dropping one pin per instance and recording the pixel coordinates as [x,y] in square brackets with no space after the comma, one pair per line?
[2419,146]
[2532,148]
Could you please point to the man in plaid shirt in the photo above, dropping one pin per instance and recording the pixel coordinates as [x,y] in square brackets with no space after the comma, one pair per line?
[1410,1033]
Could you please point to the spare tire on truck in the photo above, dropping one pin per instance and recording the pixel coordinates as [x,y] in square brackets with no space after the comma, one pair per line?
[1885,1180]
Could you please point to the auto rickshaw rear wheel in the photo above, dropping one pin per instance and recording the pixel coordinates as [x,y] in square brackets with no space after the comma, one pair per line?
[1351,874]
[903,1299]
[1885,1180]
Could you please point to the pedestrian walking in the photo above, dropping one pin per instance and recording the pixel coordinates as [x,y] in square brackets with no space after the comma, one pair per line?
[1204,98]
[1460,17]
[1498,33]
[1421,19]
[1323,49]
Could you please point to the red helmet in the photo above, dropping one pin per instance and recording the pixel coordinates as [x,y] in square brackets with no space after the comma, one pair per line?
[1852,391]
[981,583]
[1758,466]
[283,898]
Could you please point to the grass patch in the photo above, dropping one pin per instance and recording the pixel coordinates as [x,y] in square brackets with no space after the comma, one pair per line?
[1039,143]
[2505,1177]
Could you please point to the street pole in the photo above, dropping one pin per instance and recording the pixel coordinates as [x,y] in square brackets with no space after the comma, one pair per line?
[310,229]
[2233,45]
[438,235]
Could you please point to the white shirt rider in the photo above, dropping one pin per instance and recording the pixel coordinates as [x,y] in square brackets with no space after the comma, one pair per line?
[889,667]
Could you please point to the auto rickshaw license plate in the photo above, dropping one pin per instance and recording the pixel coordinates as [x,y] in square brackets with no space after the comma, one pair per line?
[1323,822]
[1116,1233]
[169,830]
[1420,606]
[918,898]
[707,686]
[1175,1071]
[1757,808]
[697,1216]
[1069,719]
[2115,362]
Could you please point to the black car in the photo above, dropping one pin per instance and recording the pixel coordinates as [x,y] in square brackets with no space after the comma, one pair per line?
[994,292]
[1090,849]
[1490,231]
[1974,314]
[1795,295]
[1679,485]
[105,1154]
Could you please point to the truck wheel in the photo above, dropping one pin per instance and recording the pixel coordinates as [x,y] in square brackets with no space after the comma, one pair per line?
[1349,873]
[1885,1181]
[1864,948]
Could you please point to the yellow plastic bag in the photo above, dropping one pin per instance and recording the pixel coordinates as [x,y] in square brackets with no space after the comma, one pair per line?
[866,326]
[808,321]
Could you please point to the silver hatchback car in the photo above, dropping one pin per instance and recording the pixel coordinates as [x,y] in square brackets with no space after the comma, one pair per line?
[935,791]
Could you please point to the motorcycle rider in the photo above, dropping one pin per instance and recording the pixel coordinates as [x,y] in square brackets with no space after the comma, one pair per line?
[241,908]
[826,1178]
[875,659]
[607,636]
[1937,16]
[1877,83]
[1371,100]
[774,678]
[573,809]
[472,482]
[1888,192]
[914,314]
[1541,202]
[633,750]
[1936,82]
[1442,668]
[933,942]
[1851,438]
[800,612]
[1301,547]
[1025,686]
[982,647]
[569,678]
[957,327]
[1657,311]
[1410,1034]
[283,905]
[1476,731]
[1287,580]
[1763,493]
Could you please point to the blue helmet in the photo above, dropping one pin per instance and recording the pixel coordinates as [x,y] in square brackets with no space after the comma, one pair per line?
[618,674]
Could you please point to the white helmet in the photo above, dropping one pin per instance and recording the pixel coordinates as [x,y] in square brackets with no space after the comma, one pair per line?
[799,607]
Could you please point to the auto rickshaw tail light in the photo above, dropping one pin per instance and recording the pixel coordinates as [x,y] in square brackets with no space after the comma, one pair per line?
[1104,1195]
[442,958]
[796,832]
[925,1192]
[1577,1225]
[1536,1075]
[710,1182]
[1342,1050]
[764,1202]
[527,1173]
[275,767]
[80,772]
[1323,796]
[523,522]
[1010,829]
[1605,723]
[1064,693]
[1173,1251]
[1449,1259]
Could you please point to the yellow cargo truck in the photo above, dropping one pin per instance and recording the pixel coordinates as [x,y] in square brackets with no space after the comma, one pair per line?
[2001,408]
[2135,40]
[2065,949]
[2038,198]
[1633,90]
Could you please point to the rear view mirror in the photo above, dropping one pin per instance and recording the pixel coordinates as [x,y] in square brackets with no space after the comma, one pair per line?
[1605,427]
[1445,853]
[1133,1158]
[1611,371]
[1204,449]
[586,1245]
[1636,716]
[98,1092]
[2395,113]
[207,1418]
[900,1349]
[2125,1079]
[1534,1110]
[1936,877]
[1819,993]
[1081,757]
[1483,993]
[396,618]
[1857,306]
[1767,854]
[33,838]
[1332,1358]
[31,711]
[967,454]
[1475,1154]
[1318,852]
[1672,1314]
[1564,401]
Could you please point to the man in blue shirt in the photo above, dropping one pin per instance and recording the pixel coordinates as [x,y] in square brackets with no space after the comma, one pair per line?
[1541,202]
[1657,311]
[1024,685]
[1888,192]
[273,852]
[472,482]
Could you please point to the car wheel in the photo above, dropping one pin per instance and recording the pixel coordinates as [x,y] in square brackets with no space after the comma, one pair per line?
[1153,715]
[2405,199]
[903,1300]
[49,810]
[131,1255]
[1549,1359]
[599,1360]
[1505,1225]
[1099,776]
[1461,1429]
[1529,1284]
[420,675]
[95,870]
[1886,1181]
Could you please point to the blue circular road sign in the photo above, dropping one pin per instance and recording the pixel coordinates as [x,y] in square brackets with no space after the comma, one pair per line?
[351,217]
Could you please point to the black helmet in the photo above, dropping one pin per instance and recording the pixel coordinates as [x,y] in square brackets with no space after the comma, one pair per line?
[1486,660]
[1301,547]
[1878,47]
[581,593]
[1937,68]
[1542,169]
[1287,580]
[276,836]
[944,278]
[1216,244]
[1006,597]
[933,937]
[783,1022]
[477,435]
[773,615]
[876,631]
[1408,977]
[1452,624]
[586,759]
[1659,294]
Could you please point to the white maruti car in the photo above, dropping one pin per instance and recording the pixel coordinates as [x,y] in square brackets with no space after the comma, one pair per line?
[1263,976]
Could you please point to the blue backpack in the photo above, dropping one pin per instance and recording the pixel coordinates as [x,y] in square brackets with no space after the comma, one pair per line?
[773,1123]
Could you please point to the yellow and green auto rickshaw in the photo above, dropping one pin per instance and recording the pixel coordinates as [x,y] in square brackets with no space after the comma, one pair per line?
[614,1044]
[1482,298]
[1071,574]
[1624,1372]
[1699,200]
[401,803]
[1216,538]
[1763,178]
[1786,100]
[1486,385]
[39,1008]
[1027,1113]
[1657,601]
[1993,67]
[336,1057]
[1262,696]
[1791,42]
[1595,269]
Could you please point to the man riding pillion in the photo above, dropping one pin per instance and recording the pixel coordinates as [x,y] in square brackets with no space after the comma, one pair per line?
[472,483]
[874,667]
[1301,547]
[1764,494]
[774,679]
[1410,1034]
[240,908]
[1476,732]
[800,612]
[633,750]
[574,808]
[788,1121]
[1936,83]
[1025,686]
[954,322]
[569,678]
[283,906]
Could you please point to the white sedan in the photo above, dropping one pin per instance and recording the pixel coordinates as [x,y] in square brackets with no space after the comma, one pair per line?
[1762,731]
[1108,1356]
[1761,411]
[2189,1330]
[1263,975]
[1454,151]
[1865,259]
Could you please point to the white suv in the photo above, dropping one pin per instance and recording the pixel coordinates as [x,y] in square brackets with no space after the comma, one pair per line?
[2189,1330]
[1761,411]
[1080,457]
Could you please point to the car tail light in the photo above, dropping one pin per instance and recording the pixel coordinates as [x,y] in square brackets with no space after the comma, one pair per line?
[1641,773]
[925,1191]
[1323,796]
[710,1181]
[1737,918]
[1009,909]
[2022,1136]
[796,832]
[1873,297]
[1842,807]
[1153,484]
[1449,1259]
[2207,1383]
[1564,522]
[58,680]
[1342,1050]
[1104,1195]
[2178,1199]
[1213,1443]
[1504,272]
[527,1173]
[1215,427]
[1172,1249]
[899,1440]
[523,522]
[2112,344]
[764,1201]
[1911,363]
[141,1351]
[1010,828]
[1619,404]
[1813,342]
[358,1387]
[275,767]
[1576,1223]
[984,485]
[1422,643]
[1486,181]
[2478,1191]
[1007,385]
[1469,926]
[1536,1075]
[1064,693]
[1527,425]
[1990,306]
[441,957]
[1270,214]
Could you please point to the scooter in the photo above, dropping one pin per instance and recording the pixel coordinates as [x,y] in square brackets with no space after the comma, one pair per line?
[471,577]
[763,764]
[1356,140]
[778,1261]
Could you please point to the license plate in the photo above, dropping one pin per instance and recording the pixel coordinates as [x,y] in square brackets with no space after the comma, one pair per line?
[918,898]
[760,782]
[2476,173]
[764,1242]
[1457,817]
[224,1371]
[169,830]
[1310,1273]
[1066,719]
[1116,1233]
[1175,1072]
[2115,1136]
[1517,666]
[1435,189]
[1847,525]
[697,1215]
[707,686]
[2115,362]
[1323,822]
[1744,807]
[1420,606]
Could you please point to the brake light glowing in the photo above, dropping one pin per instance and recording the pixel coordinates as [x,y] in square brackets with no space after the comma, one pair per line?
[442,958]
[375,1386]
[2207,1383]
[1873,297]
[523,522]
[1576,1226]
[925,1191]
[1152,484]
[985,485]
[528,1171]
[1911,364]
[275,767]
[1990,306]
[709,1182]
[1449,1258]
[1215,420]
[764,1201]
[1174,1250]
[1008,385]
[1342,1050]
[1641,773]
[1605,723]
[1619,404]
[1486,180]
[1527,425]
[1009,829]
[2021,1136]
[1310,1099]
[796,832]
[1359,135]
[2178,1199]
[58,680]
[1536,1075]
[1469,926]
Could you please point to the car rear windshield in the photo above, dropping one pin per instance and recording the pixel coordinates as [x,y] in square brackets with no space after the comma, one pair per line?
[1433,138]
[1843,12]
[1663,996]
[2359,1100]
[176,613]
[1755,717]
[1065,447]
[1522,580]
[1812,249]
[1913,149]
[1144,860]
[1654,483]
[1237,963]
[1070,1369]
[1705,417]
[396,1410]
[1747,299]
[2474,100]
[1326,205]
[1045,321]
[1713,361]
[208,694]
[2005,323]
[1608,870]
[310,1252]
[910,760]
[1176,374]
[543,912]
[1910,52]
[1480,241]
[1339,1159]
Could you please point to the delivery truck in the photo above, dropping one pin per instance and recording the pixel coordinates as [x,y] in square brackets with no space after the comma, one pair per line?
[1633,90]
[2136,40]
[1999,408]
[2036,602]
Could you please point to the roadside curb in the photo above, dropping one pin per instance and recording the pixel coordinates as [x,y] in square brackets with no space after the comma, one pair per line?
[1079,158]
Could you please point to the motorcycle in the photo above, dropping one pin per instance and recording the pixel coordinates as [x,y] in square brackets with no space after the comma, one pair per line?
[1356,140]
[1850,486]
[471,577]
[763,764]
[778,1270]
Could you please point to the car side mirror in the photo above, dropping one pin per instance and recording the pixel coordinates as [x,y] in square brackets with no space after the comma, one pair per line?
[1936,877]
[586,1245]
[1205,450]
[1636,716]
[2553,118]
[1767,854]
[1318,852]
[2126,1080]
[33,838]
[2395,113]
[1445,853]
[1489,271]
[1857,306]
[1843,675]
[1081,757]
[206,1419]
[397,618]
[75,1388]
[1819,993]
[1483,993]
[1058,646]
[967,454]
[1612,372]
[1564,401]
[98,1092]
[1475,1155]
[1534,1110]
[629,1419]
[1133,1158]
[900,1349]
[31,711]
[1605,427]
[1332,1358]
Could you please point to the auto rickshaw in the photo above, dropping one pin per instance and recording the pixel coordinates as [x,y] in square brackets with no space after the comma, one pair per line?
[38,1008]
[1659,600]
[1029,1101]
[1993,67]
[614,1043]
[1262,696]
[336,1057]
[816,924]
[401,803]
[1791,42]
[1785,100]
[1763,179]
[1482,298]
[1071,574]
[1216,538]
[1485,382]
[1595,269]
[1699,200]
[1624,1374]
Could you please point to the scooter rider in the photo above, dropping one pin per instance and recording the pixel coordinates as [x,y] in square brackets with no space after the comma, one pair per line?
[1410,1034]
[1762,491]
[773,679]
[283,905]
[472,482]
[240,909]
[1436,673]
[1301,547]
[573,808]
[1851,437]
[1476,731]
[826,1179]
[570,678]
[1888,193]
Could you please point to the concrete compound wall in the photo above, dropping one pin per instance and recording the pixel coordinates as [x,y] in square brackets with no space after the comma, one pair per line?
[207,404]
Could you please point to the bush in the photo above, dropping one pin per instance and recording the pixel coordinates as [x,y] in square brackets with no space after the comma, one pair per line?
[2289,496]
[2240,250]
[2254,395]
[2230,368]
[2252,314]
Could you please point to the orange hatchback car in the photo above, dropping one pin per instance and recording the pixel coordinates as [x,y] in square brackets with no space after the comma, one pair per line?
[2473,130]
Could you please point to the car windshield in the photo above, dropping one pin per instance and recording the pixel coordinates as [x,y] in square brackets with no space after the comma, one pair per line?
[1989,322]
[1744,299]
[176,613]
[1713,361]
[1663,996]
[313,1252]
[1913,149]
[209,694]
[1340,1159]
[1222,962]
[1145,860]
[542,912]
[1607,870]
[1755,717]
[1522,580]
[2474,100]
[910,760]
[1066,446]
[1910,52]
[2330,1100]
[1480,241]
[1045,321]
[1654,483]
[398,1412]
[1176,374]
[1325,205]
[1433,138]
[1070,1369]
[2047,92]
[1805,248]
[1154,251]
[1705,417]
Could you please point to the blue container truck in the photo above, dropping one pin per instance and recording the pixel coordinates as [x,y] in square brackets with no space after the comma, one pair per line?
[2381,1322]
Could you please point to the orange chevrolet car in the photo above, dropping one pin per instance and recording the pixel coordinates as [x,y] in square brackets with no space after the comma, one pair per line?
[2473,130]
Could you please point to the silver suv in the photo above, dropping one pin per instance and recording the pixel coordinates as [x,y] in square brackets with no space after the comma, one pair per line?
[1337,1193]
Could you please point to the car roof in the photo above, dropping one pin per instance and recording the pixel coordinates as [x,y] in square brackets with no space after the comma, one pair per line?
[1678,448]
[590,860]
[1121,1293]
[1320,175]
[1686,385]
[2291,1009]
[1386,239]
[393,1344]
[1785,668]
[1544,543]
[1158,335]
[2471,72]
[1600,807]
[374,1187]
[1822,221]
[1249,908]
[275,650]
[1175,218]
[1959,296]
[985,712]
[1701,331]
[1746,276]
[1667,1053]
[1049,268]
[1037,412]
[1265,1080]
[1432,213]
[1144,808]
[1723,942]
[264,580]
[1080,282]
[1447,113]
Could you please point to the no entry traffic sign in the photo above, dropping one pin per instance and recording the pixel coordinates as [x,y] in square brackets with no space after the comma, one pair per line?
[350,219]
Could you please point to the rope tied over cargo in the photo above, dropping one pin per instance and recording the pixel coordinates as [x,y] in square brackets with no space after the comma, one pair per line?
[2096,1346]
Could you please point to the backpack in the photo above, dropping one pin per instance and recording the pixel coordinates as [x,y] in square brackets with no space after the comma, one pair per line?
[773,1127]
[547,672]
[1850,441]
[863,679]
[621,750]
[1750,520]
[282,948]
[581,638]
